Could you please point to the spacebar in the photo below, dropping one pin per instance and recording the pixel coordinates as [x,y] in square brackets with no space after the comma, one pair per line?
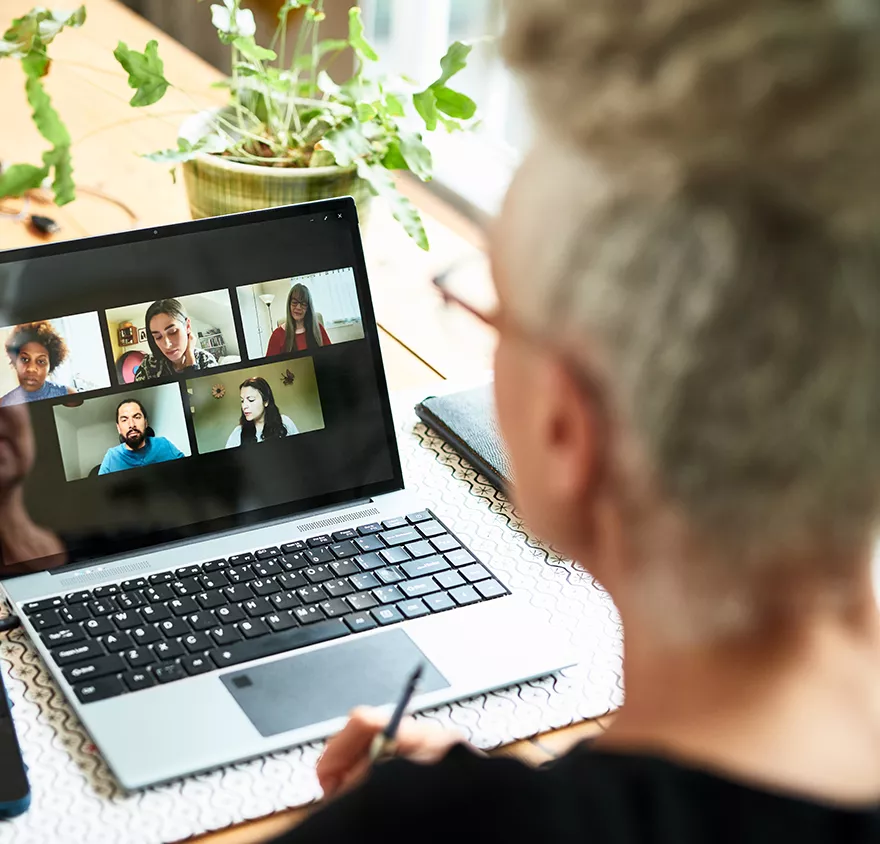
[288,640]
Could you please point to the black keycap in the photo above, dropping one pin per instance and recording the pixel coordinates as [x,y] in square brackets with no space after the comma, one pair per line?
[161,577]
[291,580]
[104,606]
[393,524]
[197,642]
[428,565]
[279,621]
[139,657]
[168,650]
[449,579]
[316,541]
[99,690]
[130,600]
[77,652]
[344,549]
[92,669]
[361,601]
[183,606]
[439,601]
[293,547]
[400,536]
[187,586]
[137,680]
[445,542]
[264,588]
[369,543]
[364,581]
[277,643]
[130,585]
[171,628]
[490,589]
[210,600]
[225,635]
[465,595]
[159,594]
[238,593]
[388,595]
[461,557]
[77,597]
[421,516]
[155,613]
[98,627]
[116,642]
[214,565]
[360,621]
[46,620]
[318,574]
[63,635]
[317,556]
[196,664]
[475,573]
[267,568]
[369,561]
[241,559]
[145,635]
[294,562]
[308,615]
[413,609]
[284,601]
[419,587]
[334,608]
[431,528]
[253,628]
[369,528]
[256,607]
[389,575]
[311,594]
[338,588]
[394,555]
[169,673]
[420,549]
[240,574]
[214,580]
[268,553]
[104,591]
[342,535]
[201,620]
[72,614]
[126,619]
[187,571]
[344,568]
[229,615]
[386,615]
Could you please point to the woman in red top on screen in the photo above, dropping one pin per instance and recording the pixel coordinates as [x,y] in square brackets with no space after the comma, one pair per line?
[302,331]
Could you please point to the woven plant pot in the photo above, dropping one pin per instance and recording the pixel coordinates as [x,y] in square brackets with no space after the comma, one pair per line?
[215,186]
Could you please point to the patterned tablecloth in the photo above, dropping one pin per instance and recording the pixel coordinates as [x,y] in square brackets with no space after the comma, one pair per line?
[75,798]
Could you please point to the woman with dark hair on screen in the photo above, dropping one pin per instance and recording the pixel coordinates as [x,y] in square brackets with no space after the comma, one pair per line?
[261,419]
[173,346]
[35,351]
[302,330]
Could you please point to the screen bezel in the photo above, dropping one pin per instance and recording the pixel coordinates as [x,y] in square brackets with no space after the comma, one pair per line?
[251,518]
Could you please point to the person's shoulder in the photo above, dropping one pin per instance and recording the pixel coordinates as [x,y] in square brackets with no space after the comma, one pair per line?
[204,358]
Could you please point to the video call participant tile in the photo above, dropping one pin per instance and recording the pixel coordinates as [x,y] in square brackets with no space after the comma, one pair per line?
[125,431]
[52,358]
[255,405]
[300,314]
[170,337]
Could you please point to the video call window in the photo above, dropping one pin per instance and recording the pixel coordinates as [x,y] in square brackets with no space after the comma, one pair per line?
[109,434]
[162,339]
[255,405]
[300,314]
[49,359]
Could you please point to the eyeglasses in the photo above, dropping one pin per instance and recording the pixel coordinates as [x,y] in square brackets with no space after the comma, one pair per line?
[441,283]
[295,303]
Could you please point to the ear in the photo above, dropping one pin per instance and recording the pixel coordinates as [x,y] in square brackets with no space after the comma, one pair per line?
[189,326]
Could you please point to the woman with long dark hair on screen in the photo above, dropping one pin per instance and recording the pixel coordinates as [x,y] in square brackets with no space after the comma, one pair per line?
[173,347]
[302,330]
[261,419]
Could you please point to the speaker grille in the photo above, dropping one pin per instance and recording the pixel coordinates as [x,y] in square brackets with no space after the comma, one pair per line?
[88,577]
[337,520]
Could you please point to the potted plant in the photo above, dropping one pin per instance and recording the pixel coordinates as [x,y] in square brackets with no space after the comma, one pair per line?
[289,133]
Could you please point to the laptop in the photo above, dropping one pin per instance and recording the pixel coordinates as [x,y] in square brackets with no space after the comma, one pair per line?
[205,528]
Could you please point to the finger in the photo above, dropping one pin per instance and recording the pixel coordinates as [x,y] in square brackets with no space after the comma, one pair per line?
[350,745]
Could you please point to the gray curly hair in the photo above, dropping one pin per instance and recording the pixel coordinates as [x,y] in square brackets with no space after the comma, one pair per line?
[713,264]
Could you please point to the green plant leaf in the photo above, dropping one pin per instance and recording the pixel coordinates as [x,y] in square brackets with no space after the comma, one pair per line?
[454,103]
[394,159]
[416,155]
[426,105]
[17,179]
[62,185]
[211,143]
[403,210]
[229,28]
[362,48]
[328,45]
[365,112]
[248,47]
[453,62]
[45,117]
[38,28]
[347,143]
[145,73]
[394,106]
[322,158]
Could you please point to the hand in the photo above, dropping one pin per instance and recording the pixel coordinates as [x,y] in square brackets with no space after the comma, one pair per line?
[189,357]
[346,760]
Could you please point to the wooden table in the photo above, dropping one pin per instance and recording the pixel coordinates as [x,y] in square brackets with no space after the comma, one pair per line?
[423,345]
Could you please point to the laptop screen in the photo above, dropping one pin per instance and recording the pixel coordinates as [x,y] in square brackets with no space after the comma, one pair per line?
[174,382]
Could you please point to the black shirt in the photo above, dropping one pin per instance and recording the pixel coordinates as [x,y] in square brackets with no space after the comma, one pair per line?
[587,797]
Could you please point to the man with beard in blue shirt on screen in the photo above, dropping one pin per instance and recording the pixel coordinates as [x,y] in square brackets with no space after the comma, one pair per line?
[139,446]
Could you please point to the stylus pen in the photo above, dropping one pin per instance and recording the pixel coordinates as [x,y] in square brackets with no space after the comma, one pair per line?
[384,743]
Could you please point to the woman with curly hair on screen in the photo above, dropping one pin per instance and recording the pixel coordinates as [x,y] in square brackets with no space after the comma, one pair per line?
[35,351]
[688,277]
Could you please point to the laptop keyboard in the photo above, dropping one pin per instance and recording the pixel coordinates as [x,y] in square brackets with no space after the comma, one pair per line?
[132,635]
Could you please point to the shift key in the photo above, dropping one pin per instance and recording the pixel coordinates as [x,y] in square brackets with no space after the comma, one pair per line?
[287,640]
[77,653]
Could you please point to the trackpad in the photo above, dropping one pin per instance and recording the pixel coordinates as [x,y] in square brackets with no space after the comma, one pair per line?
[328,683]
